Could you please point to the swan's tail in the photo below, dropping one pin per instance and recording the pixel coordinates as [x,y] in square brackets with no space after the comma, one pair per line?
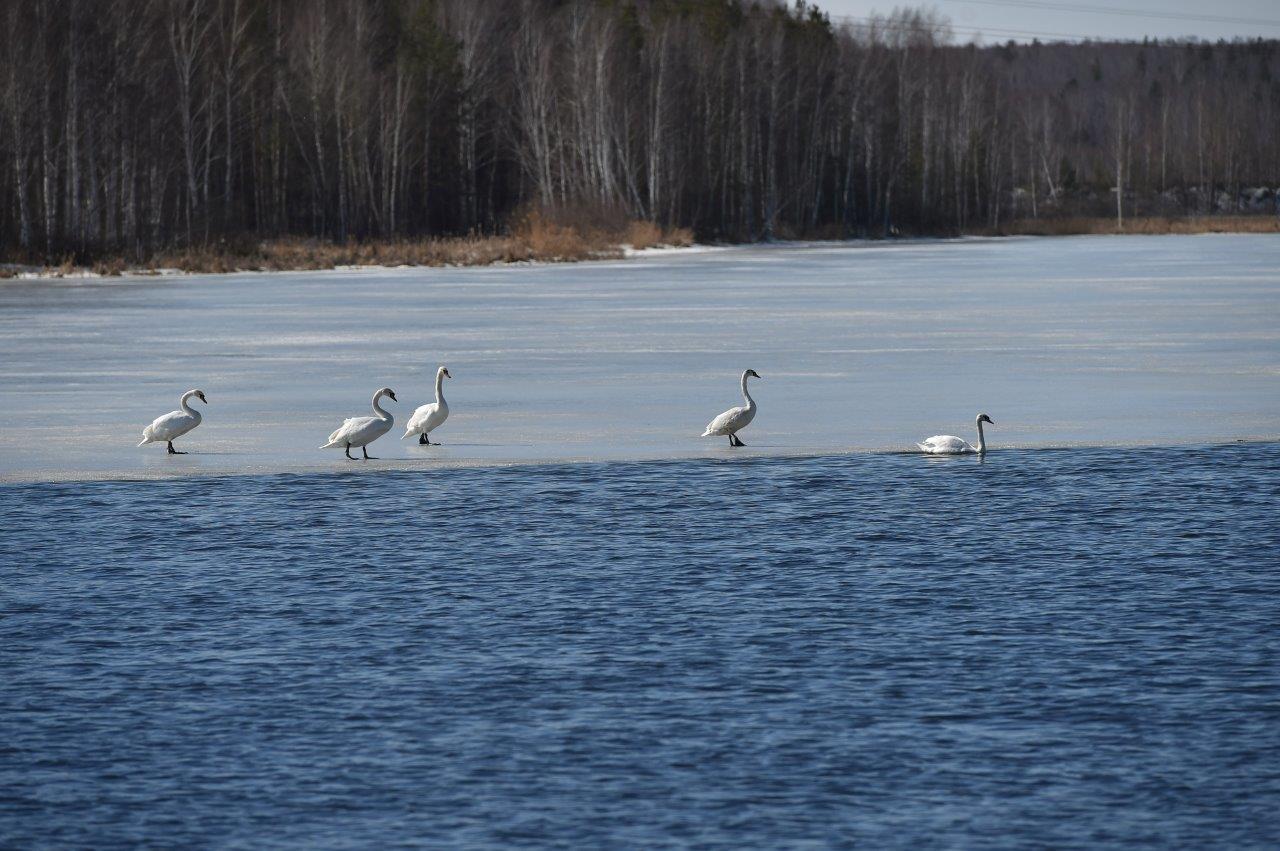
[146,437]
[924,447]
[706,433]
[145,441]
[332,444]
[408,433]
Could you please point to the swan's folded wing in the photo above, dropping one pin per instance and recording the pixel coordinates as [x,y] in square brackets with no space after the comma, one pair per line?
[724,422]
[349,427]
[943,443]
[171,425]
[419,418]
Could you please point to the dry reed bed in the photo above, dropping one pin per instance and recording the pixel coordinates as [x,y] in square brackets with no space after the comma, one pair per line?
[535,238]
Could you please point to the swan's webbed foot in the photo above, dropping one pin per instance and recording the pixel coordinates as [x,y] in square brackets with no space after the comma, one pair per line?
[422,440]
[736,441]
[367,456]
[348,451]
[173,451]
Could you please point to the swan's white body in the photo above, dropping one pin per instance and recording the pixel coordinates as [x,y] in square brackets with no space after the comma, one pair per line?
[431,416]
[175,423]
[361,431]
[735,419]
[949,444]
[945,444]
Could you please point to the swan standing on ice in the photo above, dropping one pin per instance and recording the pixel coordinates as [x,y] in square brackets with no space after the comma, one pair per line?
[361,431]
[175,423]
[431,416]
[948,444]
[735,419]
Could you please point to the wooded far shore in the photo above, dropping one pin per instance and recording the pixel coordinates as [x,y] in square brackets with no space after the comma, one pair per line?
[206,134]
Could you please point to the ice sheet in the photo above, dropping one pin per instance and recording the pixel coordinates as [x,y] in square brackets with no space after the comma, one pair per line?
[1077,340]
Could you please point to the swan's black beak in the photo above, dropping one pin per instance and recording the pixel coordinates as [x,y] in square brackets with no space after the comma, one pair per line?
[393,397]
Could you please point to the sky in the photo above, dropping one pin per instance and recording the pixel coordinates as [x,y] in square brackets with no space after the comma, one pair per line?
[1022,20]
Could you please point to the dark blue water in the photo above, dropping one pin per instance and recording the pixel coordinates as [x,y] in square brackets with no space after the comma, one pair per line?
[1048,649]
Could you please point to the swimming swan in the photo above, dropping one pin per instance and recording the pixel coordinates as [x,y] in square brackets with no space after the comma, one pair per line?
[361,431]
[947,444]
[431,416]
[735,419]
[175,423]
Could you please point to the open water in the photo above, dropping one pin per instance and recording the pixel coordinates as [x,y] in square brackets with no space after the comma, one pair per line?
[1042,648]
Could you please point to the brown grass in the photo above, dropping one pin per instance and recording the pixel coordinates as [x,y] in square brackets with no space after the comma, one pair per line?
[110,267]
[549,240]
[1143,225]
[535,237]
[567,235]
[643,234]
[303,254]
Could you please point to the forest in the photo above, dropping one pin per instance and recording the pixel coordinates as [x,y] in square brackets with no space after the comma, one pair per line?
[131,125]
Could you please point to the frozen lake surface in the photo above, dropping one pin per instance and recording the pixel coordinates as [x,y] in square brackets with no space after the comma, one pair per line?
[1064,341]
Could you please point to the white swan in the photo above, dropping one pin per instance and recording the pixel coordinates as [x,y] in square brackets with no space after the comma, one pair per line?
[948,444]
[431,416]
[175,423]
[735,419]
[361,431]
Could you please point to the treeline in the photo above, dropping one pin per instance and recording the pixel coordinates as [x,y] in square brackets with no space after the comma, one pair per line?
[129,125]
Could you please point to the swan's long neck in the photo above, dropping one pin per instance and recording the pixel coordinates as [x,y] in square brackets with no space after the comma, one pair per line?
[982,440]
[187,409]
[377,409]
[751,403]
[440,387]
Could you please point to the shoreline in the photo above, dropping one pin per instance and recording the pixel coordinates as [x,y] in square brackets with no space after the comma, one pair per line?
[548,244]
[407,465]
[87,274]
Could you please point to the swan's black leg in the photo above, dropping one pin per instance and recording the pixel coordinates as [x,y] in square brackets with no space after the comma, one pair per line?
[731,443]
[422,440]
[738,440]
[348,451]
[366,454]
[173,451]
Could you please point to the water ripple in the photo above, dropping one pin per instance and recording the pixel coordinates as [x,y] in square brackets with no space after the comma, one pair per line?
[1066,649]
